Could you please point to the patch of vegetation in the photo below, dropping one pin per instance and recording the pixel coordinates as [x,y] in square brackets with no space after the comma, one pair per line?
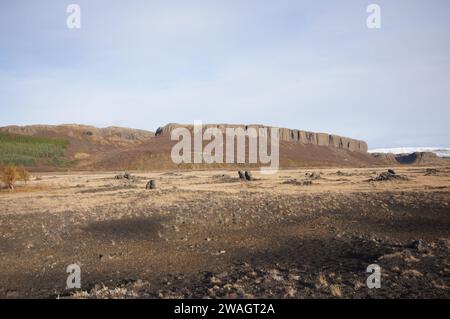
[27,150]
[10,173]
[18,159]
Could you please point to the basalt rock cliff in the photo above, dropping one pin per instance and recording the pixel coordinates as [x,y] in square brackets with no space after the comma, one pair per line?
[288,135]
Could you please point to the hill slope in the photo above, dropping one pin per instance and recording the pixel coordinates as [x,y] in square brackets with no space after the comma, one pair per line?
[84,145]
[31,150]
[81,147]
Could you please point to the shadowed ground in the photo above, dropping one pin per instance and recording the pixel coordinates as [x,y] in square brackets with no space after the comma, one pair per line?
[209,234]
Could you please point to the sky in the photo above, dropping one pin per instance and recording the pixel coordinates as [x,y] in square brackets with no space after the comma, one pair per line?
[311,65]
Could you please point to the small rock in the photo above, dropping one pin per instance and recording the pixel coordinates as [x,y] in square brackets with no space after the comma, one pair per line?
[12,294]
[431,171]
[151,184]
[275,275]
[294,277]
[313,175]
[412,273]
[419,245]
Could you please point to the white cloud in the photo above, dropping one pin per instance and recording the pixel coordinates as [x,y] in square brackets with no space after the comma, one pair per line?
[288,63]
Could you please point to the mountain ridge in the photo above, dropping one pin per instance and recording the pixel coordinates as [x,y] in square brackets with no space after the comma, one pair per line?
[121,148]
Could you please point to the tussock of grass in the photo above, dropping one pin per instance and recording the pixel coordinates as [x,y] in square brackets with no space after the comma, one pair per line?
[336,291]
[27,150]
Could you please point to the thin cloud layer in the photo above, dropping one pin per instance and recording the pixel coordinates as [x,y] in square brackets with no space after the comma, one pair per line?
[294,64]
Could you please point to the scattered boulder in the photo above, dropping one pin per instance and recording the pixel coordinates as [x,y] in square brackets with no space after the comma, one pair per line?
[313,175]
[390,175]
[248,176]
[419,245]
[151,184]
[340,173]
[123,176]
[431,171]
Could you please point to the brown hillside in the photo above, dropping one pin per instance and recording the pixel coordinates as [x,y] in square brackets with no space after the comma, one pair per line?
[87,144]
[115,148]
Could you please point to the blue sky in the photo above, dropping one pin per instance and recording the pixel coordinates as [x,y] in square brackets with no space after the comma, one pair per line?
[310,65]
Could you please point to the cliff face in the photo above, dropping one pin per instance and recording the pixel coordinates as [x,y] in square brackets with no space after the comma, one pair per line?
[419,158]
[415,158]
[289,135]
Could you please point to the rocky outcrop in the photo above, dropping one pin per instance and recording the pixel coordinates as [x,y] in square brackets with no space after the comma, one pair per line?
[417,158]
[388,158]
[290,135]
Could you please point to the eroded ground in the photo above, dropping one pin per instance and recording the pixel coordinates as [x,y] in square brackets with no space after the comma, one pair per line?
[209,234]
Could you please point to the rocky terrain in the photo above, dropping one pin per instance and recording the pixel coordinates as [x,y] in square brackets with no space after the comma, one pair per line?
[302,233]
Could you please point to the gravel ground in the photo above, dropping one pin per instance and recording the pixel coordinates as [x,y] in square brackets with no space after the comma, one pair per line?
[212,235]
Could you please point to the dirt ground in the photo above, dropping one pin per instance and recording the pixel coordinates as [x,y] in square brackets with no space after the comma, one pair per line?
[209,234]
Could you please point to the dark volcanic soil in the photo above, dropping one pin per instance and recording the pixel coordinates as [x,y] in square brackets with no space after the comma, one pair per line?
[200,236]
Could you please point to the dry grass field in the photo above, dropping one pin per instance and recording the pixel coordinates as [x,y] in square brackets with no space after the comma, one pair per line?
[209,234]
